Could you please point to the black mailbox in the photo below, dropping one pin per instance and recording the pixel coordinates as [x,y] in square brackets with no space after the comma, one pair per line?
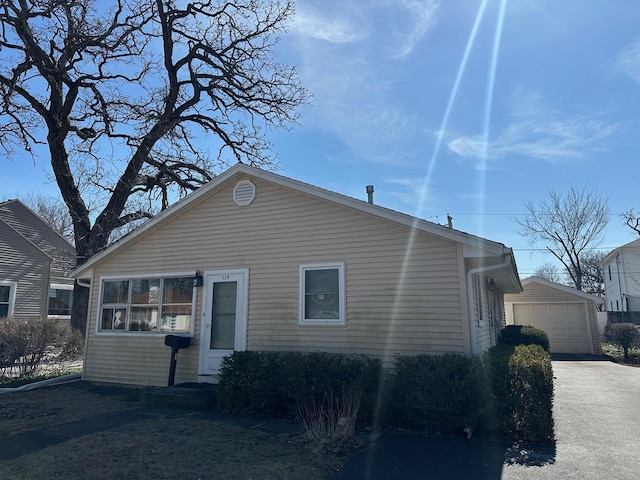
[176,341]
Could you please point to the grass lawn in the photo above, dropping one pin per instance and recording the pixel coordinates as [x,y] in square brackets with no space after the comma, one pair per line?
[161,448]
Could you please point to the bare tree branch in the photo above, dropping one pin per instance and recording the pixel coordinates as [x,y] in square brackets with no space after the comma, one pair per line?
[568,224]
[123,92]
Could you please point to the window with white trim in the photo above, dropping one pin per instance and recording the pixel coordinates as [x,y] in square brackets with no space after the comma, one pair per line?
[322,294]
[60,301]
[7,298]
[147,305]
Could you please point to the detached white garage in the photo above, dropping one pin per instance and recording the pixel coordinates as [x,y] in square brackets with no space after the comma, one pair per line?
[566,314]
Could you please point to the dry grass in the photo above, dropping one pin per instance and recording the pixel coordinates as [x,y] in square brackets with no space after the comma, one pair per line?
[617,354]
[46,407]
[161,448]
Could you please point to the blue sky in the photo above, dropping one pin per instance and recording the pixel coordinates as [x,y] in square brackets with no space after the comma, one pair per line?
[459,106]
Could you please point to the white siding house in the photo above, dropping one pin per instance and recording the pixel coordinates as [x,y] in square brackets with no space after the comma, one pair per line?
[621,272]
[258,261]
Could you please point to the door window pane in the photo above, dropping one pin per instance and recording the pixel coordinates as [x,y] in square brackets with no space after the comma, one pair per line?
[223,316]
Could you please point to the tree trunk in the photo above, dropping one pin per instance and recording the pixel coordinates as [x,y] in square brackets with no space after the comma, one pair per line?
[80,308]
[86,246]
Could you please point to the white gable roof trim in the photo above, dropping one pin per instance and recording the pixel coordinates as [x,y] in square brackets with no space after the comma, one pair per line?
[473,246]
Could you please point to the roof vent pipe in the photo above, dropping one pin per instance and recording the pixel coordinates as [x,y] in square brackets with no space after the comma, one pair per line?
[370,194]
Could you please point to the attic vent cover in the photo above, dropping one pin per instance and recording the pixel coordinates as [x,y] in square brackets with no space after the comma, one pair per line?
[244,193]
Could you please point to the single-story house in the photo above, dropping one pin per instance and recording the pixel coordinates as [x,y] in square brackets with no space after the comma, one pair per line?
[254,260]
[567,315]
[35,262]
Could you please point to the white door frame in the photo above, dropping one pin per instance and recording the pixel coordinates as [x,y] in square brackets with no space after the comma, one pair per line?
[209,360]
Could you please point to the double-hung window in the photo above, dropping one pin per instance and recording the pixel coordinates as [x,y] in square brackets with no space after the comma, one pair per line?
[147,304]
[60,301]
[7,298]
[322,294]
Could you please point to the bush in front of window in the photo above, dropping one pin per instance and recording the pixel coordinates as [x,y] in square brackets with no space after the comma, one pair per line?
[277,384]
[436,394]
[523,335]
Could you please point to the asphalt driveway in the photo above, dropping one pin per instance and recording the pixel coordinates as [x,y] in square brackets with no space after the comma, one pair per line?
[597,423]
[597,427]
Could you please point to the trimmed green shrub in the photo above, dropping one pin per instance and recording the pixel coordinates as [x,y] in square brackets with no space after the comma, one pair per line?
[521,379]
[523,335]
[277,384]
[625,335]
[436,394]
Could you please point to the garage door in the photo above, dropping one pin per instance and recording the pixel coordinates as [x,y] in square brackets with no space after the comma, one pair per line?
[564,323]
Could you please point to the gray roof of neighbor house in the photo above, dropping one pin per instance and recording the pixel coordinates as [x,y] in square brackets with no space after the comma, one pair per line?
[33,229]
[478,251]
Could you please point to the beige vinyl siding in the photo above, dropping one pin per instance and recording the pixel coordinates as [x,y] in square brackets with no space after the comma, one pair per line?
[398,300]
[539,293]
[23,263]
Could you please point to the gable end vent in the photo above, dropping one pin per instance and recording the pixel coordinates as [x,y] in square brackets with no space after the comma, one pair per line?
[244,193]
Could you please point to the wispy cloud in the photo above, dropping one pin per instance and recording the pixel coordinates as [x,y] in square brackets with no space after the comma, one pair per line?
[347,27]
[411,191]
[537,131]
[421,16]
[349,52]
[628,60]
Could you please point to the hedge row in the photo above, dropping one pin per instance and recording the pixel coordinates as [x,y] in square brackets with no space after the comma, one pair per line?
[276,384]
[523,335]
[521,381]
[508,391]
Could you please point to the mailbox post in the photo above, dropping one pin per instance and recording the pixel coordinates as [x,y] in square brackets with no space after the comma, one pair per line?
[176,342]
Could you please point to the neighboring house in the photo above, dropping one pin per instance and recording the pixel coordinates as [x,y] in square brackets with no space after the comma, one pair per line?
[258,261]
[35,262]
[567,315]
[621,272]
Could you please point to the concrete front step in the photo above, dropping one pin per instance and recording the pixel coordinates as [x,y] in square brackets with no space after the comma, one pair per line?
[197,396]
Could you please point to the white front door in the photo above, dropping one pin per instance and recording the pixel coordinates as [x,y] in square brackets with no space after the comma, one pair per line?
[224,327]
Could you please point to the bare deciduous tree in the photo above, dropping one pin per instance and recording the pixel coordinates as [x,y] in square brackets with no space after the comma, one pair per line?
[632,220]
[548,271]
[592,276]
[125,93]
[568,225]
[52,211]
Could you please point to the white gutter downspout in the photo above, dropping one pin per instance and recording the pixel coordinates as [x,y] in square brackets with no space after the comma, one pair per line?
[470,274]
